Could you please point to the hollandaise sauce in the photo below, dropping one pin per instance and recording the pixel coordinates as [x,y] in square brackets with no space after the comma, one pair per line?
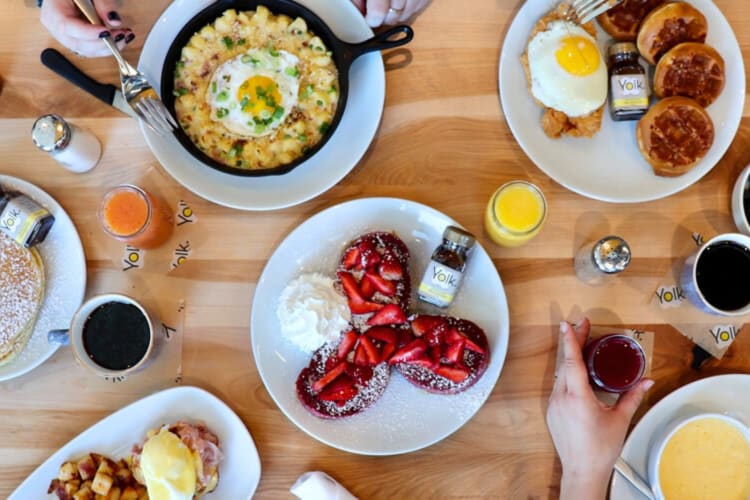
[515,214]
[168,466]
[708,458]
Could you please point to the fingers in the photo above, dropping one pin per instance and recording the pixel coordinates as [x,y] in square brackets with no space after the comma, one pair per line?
[108,13]
[395,11]
[631,400]
[92,48]
[576,377]
[376,11]
[582,329]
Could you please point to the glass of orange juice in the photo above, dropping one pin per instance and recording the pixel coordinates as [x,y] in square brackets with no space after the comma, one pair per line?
[515,213]
[132,215]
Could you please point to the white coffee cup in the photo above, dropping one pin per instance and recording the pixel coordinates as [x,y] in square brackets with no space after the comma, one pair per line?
[689,281]
[74,335]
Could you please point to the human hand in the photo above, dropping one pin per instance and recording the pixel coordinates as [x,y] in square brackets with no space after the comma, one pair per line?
[63,20]
[588,435]
[380,12]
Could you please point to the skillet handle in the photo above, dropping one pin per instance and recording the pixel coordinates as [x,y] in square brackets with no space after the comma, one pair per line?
[386,40]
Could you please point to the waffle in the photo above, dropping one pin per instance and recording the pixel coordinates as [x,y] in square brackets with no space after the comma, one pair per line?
[21,295]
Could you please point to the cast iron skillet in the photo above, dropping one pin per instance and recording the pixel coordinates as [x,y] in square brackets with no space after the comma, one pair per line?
[344,55]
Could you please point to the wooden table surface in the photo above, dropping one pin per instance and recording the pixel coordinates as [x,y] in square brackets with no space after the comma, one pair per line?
[443,142]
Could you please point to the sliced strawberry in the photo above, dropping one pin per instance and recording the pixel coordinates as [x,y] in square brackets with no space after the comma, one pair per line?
[329,377]
[382,285]
[454,373]
[340,395]
[388,315]
[346,344]
[386,351]
[367,289]
[423,324]
[454,335]
[382,333]
[370,254]
[423,362]
[350,287]
[410,351]
[436,336]
[391,270]
[373,355]
[364,307]
[336,390]
[352,259]
[360,356]
[455,352]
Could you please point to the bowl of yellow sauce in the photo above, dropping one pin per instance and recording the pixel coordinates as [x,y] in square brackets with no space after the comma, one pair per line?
[704,457]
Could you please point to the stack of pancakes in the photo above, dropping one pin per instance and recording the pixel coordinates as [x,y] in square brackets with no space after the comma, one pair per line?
[21,295]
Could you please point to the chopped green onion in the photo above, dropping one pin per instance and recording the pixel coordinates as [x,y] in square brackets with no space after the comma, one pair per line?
[320,103]
[241,41]
[319,48]
[228,42]
[265,114]
[244,102]
[180,91]
[223,96]
[222,112]
[213,87]
[307,92]
[302,138]
[236,150]
[260,128]
[273,52]
[277,113]
[332,90]
[292,71]
[180,64]
[324,127]
[246,59]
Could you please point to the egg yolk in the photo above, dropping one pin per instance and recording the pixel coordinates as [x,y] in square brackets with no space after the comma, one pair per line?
[578,56]
[258,94]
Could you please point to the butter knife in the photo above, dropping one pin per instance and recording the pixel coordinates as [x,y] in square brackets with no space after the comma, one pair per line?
[105,92]
[634,478]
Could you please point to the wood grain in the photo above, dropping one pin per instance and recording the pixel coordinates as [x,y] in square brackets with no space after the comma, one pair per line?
[443,141]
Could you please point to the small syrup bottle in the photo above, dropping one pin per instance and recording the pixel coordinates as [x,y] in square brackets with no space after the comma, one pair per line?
[445,271]
[628,84]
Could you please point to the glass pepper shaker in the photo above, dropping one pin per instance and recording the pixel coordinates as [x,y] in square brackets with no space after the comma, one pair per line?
[76,149]
[445,271]
[595,264]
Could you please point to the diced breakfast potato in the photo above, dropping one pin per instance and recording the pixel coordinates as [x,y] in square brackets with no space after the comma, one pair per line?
[84,494]
[106,467]
[129,493]
[68,471]
[114,494]
[86,468]
[102,483]
[72,486]
[142,492]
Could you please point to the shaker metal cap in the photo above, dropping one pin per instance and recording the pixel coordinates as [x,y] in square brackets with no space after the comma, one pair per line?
[459,236]
[611,254]
[50,133]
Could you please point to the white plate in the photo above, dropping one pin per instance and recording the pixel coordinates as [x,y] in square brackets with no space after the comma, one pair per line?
[405,418]
[720,394]
[325,168]
[65,275]
[239,471]
[609,166]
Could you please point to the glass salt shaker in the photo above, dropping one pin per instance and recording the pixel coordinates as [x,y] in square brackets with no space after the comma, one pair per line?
[596,263]
[76,149]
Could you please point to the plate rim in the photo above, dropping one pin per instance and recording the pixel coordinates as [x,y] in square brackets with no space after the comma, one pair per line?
[661,410]
[174,392]
[35,192]
[670,189]
[186,178]
[503,331]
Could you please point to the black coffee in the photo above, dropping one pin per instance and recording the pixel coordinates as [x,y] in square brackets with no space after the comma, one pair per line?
[723,275]
[116,335]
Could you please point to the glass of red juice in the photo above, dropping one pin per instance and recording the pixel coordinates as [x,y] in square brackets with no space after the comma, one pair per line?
[615,362]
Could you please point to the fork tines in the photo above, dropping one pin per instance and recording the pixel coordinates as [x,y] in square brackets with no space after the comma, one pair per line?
[583,11]
[156,116]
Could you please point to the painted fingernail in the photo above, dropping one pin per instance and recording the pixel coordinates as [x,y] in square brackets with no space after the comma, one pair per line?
[129,38]
[113,16]
[119,37]
[105,34]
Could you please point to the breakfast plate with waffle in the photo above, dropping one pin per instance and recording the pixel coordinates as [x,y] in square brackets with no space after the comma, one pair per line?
[58,265]
[606,164]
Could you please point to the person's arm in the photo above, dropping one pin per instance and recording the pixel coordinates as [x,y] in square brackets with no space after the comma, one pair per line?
[64,21]
[389,12]
[588,435]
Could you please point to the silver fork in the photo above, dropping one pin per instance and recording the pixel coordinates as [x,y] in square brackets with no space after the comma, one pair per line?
[583,11]
[135,88]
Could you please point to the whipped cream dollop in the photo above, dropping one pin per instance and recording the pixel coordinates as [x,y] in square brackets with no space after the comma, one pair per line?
[311,312]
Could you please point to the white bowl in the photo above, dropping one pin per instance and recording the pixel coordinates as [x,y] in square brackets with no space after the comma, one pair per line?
[659,444]
[738,207]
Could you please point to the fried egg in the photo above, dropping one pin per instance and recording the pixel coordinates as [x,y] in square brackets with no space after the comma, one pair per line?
[567,70]
[252,94]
